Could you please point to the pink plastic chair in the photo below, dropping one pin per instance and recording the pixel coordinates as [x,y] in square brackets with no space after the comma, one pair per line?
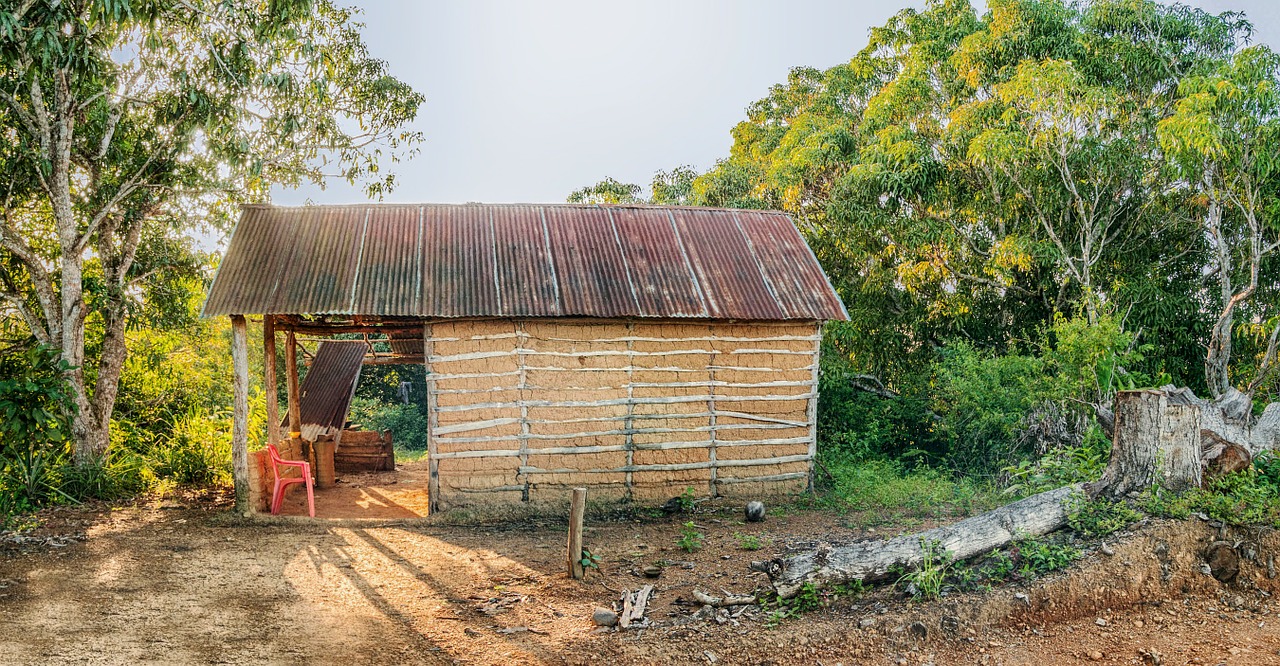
[283,482]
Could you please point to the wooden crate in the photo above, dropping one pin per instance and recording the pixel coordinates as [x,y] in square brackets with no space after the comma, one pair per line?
[365,451]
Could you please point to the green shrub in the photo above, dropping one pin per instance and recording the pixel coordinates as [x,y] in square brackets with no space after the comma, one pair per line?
[1247,497]
[1061,467]
[1040,557]
[1099,517]
[407,423]
[927,580]
[748,541]
[690,538]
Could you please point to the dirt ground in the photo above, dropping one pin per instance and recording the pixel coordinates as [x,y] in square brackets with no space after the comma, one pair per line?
[182,580]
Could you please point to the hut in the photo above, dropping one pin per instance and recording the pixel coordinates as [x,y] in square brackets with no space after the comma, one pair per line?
[634,350]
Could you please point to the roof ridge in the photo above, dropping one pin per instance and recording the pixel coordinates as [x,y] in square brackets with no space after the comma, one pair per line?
[481,204]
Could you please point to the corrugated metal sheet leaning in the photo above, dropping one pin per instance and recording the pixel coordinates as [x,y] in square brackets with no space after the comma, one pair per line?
[328,387]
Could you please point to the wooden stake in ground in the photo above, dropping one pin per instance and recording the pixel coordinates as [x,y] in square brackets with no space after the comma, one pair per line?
[577,510]
[240,424]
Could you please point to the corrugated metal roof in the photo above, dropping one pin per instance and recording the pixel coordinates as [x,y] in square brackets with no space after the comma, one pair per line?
[499,260]
[328,386]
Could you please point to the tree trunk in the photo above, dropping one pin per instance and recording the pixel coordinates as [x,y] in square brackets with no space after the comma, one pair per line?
[1156,441]
[827,565]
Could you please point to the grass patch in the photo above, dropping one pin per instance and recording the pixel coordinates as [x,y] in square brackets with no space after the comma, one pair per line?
[1248,497]
[884,492]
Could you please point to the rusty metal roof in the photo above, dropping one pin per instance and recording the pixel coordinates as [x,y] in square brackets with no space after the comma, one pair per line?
[516,260]
[328,386]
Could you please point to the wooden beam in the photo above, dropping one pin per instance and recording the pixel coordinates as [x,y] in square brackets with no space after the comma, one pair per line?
[577,511]
[240,424]
[269,358]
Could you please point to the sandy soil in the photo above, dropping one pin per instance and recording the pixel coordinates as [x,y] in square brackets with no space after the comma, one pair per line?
[181,580]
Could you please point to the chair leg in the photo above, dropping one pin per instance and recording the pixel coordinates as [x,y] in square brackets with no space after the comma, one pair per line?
[277,497]
[311,499]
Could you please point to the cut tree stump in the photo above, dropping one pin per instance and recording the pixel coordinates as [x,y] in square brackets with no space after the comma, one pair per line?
[1156,440]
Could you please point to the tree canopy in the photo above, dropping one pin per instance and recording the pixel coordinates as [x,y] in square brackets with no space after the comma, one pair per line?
[969,177]
[133,122]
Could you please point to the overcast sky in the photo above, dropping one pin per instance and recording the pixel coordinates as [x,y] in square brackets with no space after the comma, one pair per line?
[528,101]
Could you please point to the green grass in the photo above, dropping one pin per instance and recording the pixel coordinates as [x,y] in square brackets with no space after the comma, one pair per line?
[888,492]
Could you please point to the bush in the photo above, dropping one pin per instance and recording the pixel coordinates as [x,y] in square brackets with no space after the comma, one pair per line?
[407,423]
[1099,517]
[983,401]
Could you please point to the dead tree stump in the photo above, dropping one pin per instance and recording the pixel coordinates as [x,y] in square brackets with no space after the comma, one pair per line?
[1156,442]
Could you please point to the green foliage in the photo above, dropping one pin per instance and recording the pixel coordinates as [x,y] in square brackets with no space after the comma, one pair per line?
[589,560]
[1247,497]
[32,390]
[1100,517]
[1060,467]
[690,538]
[748,541]
[888,491]
[926,581]
[1041,557]
[407,423]
[806,600]
[686,500]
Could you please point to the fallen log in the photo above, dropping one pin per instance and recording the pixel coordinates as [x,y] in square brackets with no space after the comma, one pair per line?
[829,565]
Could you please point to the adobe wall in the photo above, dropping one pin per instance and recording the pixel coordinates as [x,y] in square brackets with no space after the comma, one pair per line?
[521,410]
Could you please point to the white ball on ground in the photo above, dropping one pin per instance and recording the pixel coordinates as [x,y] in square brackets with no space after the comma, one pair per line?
[755,512]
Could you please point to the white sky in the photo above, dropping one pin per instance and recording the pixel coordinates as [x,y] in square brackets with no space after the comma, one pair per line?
[528,101]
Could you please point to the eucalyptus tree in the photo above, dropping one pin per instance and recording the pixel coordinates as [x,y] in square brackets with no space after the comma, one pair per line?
[132,122]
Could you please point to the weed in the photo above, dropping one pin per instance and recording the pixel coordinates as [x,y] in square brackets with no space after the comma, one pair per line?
[1039,558]
[926,581]
[690,538]
[1096,518]
[685,500]
[589,560]
[748,541]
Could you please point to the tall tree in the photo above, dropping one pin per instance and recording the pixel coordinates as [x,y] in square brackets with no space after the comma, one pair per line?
[131,122]
[1224,141]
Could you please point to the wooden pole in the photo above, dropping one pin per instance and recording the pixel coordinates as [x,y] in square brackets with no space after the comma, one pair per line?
[269,358]
[577,510]
[240,425]
[295,395]
[433,453]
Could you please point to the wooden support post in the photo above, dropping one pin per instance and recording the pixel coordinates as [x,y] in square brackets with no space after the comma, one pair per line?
[433,453]
[240,425]
[269,358]
[295,393]
[577,510]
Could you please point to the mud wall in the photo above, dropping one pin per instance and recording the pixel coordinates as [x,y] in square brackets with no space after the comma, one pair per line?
[520,410]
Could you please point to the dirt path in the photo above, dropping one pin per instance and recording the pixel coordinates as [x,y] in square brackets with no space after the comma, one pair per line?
[181,582]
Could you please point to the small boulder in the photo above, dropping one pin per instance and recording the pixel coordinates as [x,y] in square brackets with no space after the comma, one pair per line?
[604,617]
[755,512]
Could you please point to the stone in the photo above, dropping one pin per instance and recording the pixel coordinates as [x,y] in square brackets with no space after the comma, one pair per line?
[950,623]
[866,623]
[755,512]
[1222,560]
[919,630]
[1100,622]
[1095,656]
[604,617]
